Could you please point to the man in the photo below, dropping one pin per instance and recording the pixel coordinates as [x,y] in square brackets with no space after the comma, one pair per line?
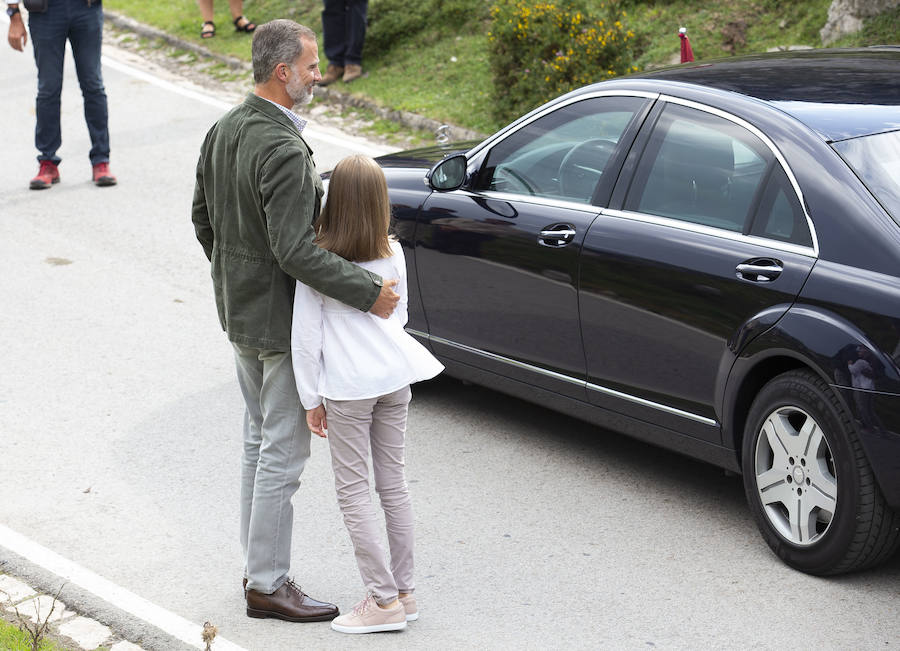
[256,197]
[81,23]
[344,31]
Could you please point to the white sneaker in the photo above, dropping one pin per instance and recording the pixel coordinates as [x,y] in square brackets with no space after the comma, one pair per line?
[409,605]
[369,617]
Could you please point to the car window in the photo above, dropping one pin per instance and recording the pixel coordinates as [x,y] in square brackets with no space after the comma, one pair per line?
[700,168]
[780,215]
[876,160]
[563,154]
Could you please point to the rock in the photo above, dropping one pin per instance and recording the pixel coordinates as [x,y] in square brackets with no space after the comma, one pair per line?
[846,16]
[789,48]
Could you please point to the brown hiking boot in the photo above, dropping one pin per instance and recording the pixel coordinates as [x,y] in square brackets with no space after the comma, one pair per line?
[351,72]
[332,74]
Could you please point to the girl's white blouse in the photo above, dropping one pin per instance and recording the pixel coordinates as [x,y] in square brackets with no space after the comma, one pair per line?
[341,353]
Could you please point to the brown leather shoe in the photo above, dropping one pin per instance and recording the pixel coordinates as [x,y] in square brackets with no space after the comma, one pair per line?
[332,74]
[290,604]
[351,72]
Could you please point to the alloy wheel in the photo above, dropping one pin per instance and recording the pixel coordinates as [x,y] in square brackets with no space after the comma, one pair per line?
[795,476]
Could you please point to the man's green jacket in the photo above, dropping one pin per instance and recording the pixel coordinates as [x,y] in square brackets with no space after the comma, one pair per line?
[255,201]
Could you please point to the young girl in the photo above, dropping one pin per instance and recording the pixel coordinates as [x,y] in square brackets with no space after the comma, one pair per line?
[363,366]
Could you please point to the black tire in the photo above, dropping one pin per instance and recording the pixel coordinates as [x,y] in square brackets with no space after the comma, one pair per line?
[815,499]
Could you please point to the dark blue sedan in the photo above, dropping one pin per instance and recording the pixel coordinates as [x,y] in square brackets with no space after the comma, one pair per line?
[705,257]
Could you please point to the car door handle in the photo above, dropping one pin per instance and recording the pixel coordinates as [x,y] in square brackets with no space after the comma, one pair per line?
[759,271]
[557,235]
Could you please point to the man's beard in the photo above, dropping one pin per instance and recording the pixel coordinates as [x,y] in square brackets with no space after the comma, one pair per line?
[299,93]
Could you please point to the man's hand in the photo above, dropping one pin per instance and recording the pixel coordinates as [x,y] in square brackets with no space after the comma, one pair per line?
[315,420]
[386,301]
[18,36]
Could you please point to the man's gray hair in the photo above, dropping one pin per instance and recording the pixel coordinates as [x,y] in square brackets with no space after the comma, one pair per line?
[278,41]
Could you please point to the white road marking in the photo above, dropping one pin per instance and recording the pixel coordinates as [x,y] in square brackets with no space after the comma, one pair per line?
[163,619]
[131,71]
[319,134]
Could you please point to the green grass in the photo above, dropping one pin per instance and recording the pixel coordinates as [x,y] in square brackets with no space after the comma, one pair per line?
[719,28]
[12,639]
[418,73]
[448,80]
[182,18]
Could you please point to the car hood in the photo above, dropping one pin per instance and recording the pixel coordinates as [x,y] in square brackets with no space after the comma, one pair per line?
[425,157]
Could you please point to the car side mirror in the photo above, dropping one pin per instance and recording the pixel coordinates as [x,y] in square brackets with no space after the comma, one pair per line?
[448,174]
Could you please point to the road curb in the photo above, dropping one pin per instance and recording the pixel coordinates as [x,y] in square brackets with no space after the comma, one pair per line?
[124,22]
[329,95]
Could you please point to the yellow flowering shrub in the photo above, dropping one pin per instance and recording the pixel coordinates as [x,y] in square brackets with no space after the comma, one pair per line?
[542,49]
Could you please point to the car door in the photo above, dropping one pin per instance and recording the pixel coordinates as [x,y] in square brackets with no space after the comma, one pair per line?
[707,236]
[497,260]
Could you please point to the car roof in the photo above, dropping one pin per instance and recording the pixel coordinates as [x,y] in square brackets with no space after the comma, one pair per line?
[816,87]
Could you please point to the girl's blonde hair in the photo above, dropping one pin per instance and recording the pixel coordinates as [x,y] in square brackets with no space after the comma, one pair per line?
[356,219]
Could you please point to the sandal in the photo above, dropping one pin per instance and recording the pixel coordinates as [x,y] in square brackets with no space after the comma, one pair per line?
[246,26]
[208,33]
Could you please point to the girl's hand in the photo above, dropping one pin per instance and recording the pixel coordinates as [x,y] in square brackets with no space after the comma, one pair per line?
[315,420]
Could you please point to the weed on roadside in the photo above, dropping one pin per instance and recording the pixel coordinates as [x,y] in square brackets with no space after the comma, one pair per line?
[35,630]
[19,632]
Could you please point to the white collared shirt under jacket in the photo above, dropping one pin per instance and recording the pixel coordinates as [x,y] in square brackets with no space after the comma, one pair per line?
[340,353]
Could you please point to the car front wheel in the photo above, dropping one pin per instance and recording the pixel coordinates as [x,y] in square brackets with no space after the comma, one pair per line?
[809,485]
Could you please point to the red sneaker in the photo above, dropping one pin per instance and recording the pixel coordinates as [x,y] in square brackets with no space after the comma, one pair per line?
[102,175]
[46,176]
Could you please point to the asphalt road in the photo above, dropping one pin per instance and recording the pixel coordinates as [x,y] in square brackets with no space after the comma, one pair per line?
[120,439]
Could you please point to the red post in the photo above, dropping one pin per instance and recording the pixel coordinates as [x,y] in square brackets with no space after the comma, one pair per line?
[687,54]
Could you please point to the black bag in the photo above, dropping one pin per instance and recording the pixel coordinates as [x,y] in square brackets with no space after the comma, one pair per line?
[35,6]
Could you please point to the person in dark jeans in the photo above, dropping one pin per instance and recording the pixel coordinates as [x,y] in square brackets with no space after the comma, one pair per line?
[344,30]
[81,23]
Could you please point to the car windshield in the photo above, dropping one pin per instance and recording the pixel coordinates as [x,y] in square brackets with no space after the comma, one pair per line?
[876,160]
